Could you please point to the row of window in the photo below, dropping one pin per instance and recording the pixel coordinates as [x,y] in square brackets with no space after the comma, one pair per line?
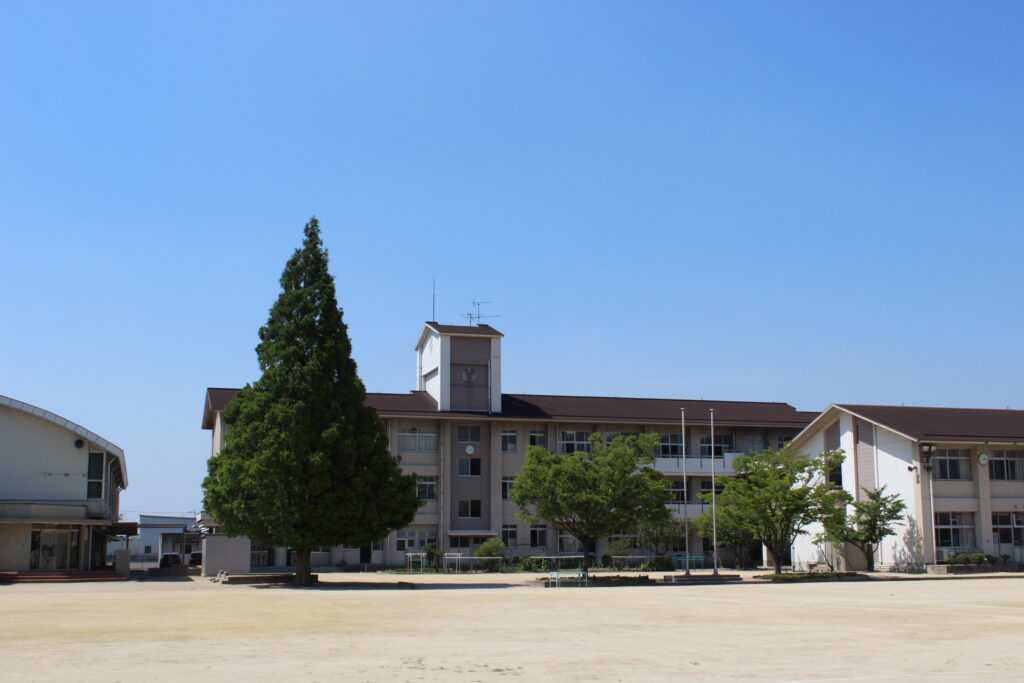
[677,492]
[954,464]
[426,440]
[956,529]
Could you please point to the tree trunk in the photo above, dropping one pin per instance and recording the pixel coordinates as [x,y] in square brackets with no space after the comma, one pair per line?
[869,555]
[303,571]
[589,546]
[776,558]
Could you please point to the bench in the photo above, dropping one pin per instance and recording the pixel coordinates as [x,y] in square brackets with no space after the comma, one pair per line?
[696,561]
[577,576]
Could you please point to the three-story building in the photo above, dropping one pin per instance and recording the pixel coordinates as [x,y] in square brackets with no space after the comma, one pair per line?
[466,441]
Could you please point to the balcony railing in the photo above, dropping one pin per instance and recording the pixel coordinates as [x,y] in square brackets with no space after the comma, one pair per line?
[688,510]
[697,464]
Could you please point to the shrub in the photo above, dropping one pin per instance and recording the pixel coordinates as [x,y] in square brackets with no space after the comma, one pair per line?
[533,564]
[432,555]
[658,564]
[977,558]
[992,559]
[492,547]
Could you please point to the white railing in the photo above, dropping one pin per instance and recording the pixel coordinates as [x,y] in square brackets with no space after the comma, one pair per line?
[688,510]
[697,465]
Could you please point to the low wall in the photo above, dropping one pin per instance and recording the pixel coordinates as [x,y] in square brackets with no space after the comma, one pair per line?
[971,568]
[230,554]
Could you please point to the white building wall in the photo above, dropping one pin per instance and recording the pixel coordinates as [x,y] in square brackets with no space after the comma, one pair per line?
[38,459]
[894,455]
[15,540]
[495,379]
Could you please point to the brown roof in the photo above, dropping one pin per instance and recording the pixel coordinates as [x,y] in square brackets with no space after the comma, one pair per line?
[216,400]
[478,330]
[946,424]
[580,409]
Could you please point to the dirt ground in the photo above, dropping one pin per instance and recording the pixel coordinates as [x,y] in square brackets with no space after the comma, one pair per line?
[483,627]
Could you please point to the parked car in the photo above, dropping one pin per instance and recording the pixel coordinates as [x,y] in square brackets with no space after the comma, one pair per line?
[170,560]
[195,560]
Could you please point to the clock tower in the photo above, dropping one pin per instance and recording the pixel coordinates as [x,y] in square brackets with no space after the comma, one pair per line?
[460,367]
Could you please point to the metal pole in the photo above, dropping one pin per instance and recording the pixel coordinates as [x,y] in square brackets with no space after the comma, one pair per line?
[714,509]
[686,492]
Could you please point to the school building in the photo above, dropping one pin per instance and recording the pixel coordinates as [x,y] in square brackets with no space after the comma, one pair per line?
[465,441]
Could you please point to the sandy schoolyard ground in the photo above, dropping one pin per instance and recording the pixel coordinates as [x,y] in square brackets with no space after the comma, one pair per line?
[486,627]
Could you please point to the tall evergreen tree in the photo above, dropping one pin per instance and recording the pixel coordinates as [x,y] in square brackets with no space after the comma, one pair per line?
[305,461]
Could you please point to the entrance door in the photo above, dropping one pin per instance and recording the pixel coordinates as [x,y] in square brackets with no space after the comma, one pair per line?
[54,548]
[365,554]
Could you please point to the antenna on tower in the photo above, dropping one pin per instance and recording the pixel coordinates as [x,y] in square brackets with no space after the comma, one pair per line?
[475,318]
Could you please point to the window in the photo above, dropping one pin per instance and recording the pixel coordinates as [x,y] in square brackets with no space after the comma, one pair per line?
[320,549]
[538,537]
[952,463]
[671,445]
[954,529]
[469,467]
[94,488]
[1008,528]
[570,442]
[506,487]
[412,541]
[1006,466]
[723,444]
[148,550]
[608,438]
[781,442]
[628,540]
[509,441]
[426,487]
[458,541]
[469,433]
[417,440]
[538,437]
[676,491]
[469,508]
[705,487]
[509,535]
[567,543]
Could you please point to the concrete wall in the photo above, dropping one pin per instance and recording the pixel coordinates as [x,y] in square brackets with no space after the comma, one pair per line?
[15,545]
[38,459]
[225,553]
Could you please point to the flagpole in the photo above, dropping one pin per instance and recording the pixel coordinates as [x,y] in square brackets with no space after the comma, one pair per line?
[686,491]
[714,508]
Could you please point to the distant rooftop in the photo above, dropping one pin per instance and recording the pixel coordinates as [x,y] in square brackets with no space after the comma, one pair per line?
[605,409]
[946,424]
[477,330]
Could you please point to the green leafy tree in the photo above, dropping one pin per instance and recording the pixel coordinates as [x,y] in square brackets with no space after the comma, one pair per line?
[305,461]
[871,521]
[661,534]
[731,534]
[777,493]
[492,547]
[592,495]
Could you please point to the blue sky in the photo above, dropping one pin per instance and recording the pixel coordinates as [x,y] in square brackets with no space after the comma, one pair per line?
[799,202]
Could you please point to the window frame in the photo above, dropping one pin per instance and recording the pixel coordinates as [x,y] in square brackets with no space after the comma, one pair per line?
[942,462]
[468,436]
[468,506]
[509,441]
[579,441]
[471,463]
[429,484]
[1011,464]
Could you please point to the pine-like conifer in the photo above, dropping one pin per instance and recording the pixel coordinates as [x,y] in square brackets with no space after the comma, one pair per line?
[305,461]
